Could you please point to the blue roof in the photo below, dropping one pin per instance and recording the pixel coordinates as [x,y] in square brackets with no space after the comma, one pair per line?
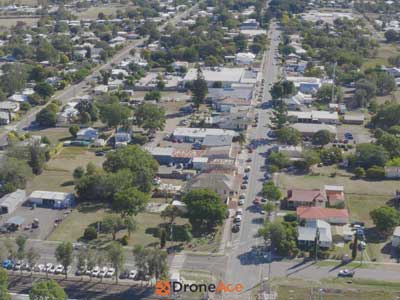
[17,220]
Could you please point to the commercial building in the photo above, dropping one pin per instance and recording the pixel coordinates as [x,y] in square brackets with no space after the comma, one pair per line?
[198,134]
[10,202]
[314,116]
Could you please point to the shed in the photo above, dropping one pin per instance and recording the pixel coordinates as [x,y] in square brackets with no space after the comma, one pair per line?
[9,202]
[51,199]
[354,119]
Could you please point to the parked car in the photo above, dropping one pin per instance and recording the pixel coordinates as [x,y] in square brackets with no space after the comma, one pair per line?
[8,264]
[110,272]
[124,274]
[242,196]
[59,269]
[81,271]
[239,212]
[39,268]
[103,272]
[18,265]
[243,186]
[247,169]
[346,273]
[132,274]
[257,201]
[237,219]
[48,267]
[52,269]
[241,201]
[235,228]
[95,272]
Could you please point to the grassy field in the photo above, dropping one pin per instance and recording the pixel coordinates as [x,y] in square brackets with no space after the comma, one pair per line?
[72,228]
[10,22]
[57,175]
[92,12]
[55,135]
[383,53]
[336,289]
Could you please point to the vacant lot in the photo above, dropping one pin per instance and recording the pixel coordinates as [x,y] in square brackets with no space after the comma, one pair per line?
[57,175]
[93,12]
[381,59]
[55,135]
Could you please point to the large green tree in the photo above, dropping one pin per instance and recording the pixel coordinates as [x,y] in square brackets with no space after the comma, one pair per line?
[205,208]
[385,218]
[116,257]
[368,155]
[4,295]
[65,255]
[130,202]
[150,117]
[289,136]
[47,290]
[199,88]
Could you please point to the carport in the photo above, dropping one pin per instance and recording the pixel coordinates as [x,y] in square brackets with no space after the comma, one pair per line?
[14,223]
[10,202]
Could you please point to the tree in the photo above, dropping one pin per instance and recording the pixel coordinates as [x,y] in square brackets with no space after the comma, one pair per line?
[140,255]
[324,94]
[46,118]
[282,89]
[116,257]
[385,83]
[271,191]
[14,78]
[90,233]
[21,244]
[150,116]
[73,130]
[37,157]
[171,212]
[152,95]
[163,238]
[49,290]
[331,155]
[130,202]
[199,88]
[278,159]
[157,263]
[311,158]
[114,114]
[368,155]
[289,136]
[391,36]
[4,295]
[354,247]
[78,173]
[359,172]
[130,224]
[282,235]
[205,208]
[322,137]
[142,165]
[112,224]
[375,173]
[385,218]
[387,116]
[81,259]
[44,89]
[268,207]
[15,172]
[32,256]
[391,143]
[65,255]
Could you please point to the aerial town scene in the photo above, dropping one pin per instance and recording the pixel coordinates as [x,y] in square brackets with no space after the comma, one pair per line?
[199,149]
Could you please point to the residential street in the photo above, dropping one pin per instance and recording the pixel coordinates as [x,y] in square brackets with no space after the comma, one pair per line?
[74,90]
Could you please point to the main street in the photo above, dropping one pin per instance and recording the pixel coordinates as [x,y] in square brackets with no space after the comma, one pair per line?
[74,90]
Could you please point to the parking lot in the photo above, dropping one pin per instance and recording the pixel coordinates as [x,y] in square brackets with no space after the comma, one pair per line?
[48,220]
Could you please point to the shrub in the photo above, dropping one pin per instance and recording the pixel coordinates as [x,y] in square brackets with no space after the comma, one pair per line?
[290,217]
[124,240]
[90,233]
[359,172]
[376,173]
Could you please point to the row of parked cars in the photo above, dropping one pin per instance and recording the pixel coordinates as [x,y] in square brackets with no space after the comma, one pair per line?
[106,272]
[24,266]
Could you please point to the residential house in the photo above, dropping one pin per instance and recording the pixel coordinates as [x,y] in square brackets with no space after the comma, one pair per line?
[330,215]
[307,234]
[250,24]
[354,119]
[122,138]
[334,194]
[293,152]
[9,106]
[4,118]
[87,134]
[303,197]
[225,185]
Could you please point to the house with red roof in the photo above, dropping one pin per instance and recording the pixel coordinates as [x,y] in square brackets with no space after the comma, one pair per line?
[334,194]
[303,197]
[330,215]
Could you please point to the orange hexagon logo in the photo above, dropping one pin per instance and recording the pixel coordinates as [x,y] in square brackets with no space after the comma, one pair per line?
[163,288]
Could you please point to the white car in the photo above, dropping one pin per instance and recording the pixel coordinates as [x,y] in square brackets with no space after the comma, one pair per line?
[132,274]
[48,267]
[18,265]
[241,201]
[103,272]
[96,271]
[59,269]
[242,196]
[239,212]
[88,272]
[110,272]
[52,269]
[248,169]
[39,268]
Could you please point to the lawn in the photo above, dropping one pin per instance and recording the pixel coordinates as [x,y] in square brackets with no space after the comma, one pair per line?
[92,12]
[57,175]
[73,226]
[334,289]
[9,22]
[55,135]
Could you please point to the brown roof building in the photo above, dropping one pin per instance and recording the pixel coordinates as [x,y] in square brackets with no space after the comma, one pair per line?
[300,197]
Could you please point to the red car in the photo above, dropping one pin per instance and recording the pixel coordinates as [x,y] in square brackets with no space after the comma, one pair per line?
[257,201]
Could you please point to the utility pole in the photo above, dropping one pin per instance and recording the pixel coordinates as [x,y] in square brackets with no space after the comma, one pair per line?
[316,244]
[333,82]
